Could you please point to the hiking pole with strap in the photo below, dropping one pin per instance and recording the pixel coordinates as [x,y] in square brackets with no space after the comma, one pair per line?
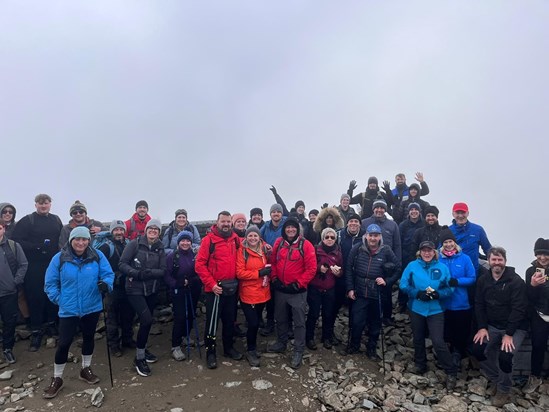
[195,325]
[107,340]
[187,324]
[382,331]
[212,330]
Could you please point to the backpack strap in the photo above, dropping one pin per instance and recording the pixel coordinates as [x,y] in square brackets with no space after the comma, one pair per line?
[10,251]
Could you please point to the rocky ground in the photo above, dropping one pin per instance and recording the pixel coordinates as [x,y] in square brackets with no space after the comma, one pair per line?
[327,381]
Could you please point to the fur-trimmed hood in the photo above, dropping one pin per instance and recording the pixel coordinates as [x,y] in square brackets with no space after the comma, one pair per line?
[320,222]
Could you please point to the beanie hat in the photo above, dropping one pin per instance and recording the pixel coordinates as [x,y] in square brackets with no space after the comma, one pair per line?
[290,222]
[379,203]
[431,209]
[237,216]
[154,223]
[252,229]
[415,186]
[141,203]
[326,231]
[299,203]
[446,234]
[275,208]
[354,216]
[256,211]
[314,212]
[414,205]
[79,231]
[115,224]
[345,196]
[184,234]
[180,212]
[373,228]
[372,179]
[541,247]
[77,205]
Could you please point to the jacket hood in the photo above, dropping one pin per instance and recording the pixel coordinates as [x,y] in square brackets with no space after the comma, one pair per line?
[320,222]
[6,204]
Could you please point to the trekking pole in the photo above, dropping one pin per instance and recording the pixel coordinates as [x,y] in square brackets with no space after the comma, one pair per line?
[107,340]
[382,331]
[195,325]
[212,331]
[187,325]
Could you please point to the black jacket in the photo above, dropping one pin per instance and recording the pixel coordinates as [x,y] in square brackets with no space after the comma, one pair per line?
[538,297]
[501,304]
[427,232]
[114,261]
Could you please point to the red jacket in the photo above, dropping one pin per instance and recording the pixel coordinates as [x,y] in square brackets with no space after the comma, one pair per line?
[250,286]
[138,226]
[325,281]
[288,263]
[220,263]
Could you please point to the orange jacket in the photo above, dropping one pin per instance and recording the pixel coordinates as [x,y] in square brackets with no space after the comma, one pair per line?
[248,264]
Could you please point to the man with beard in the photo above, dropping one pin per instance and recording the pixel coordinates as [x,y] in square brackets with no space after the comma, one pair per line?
[135,226]
[344,209]
[500,307]
[401,191]
[431,230]
[272,229]
[216,266]
[293,265]
[38,235]
[79,217]
[367,198]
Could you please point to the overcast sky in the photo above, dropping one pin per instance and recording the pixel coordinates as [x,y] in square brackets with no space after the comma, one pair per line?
[205,105]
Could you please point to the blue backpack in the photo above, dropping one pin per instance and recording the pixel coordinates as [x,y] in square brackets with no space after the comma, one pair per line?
[102,238]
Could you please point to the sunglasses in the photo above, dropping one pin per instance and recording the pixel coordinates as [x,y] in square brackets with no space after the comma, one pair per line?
[77,212]
[329,237]
[5,212]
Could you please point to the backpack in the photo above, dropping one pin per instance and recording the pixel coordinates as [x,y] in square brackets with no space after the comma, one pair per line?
[212,247]
[11,256]
[31,219]
[299,247]
[101,239]
[188,228]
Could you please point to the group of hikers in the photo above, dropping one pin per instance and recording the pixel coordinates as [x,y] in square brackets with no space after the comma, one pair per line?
[284,274]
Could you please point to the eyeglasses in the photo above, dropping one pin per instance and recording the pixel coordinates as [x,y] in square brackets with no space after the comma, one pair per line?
[5,212]
[77,212]
[329,237]
[153,228]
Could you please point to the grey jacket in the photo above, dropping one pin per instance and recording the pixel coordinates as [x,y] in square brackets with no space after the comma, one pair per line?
[9,281]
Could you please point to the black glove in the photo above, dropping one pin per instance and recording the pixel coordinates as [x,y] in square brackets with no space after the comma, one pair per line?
[388,268]
[265,271]
[423,296]
[324,205]
[434,295]
[273,189]
[277,284]
[453,282]
[103,287]
[386,186]
[352,185]
[294,287]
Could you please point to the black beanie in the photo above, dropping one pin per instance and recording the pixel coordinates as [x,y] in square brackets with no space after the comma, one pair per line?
[446,234]
[431,209]
[372,179]
[354,216]
[314,212]
[256,211]
[142,203]
[541,247]
[299,203]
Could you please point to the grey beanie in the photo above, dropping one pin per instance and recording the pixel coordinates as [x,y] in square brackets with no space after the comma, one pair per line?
[79,231]
[276,208]
[326,231]
[254,229]
[115,224]
[154,223]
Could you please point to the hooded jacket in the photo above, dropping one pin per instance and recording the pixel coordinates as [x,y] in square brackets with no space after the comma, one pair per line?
[326,281]
[248,264]
[320,223]
[11,225]
[389,233]
[169,240]
[427,232]
[220,264]
[71,281]
[180,268]
[461,268]
[67,229]
[417,277]
[407,229]
[402,192]
[137,225]
[400,212]
[150,257]
[9,280]
[470,237]
[366,200]
[365,266]
[502,303]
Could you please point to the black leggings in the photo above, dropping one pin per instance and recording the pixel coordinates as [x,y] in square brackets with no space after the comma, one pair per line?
[183,318]
[67,330]
[253,315]
[144,307]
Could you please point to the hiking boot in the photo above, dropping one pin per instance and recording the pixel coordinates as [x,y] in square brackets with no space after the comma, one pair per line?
[311,344]
[501,399]
[327,344]
[115,351]
[129,344]
[268,329]
[178,354]
[533,383]
[142,367]
[277,347]
[297,358]
[451,381]
[419,370]
[349,350]
[211,361]
[9,356]
[238,332]
[372,355]
[87,375]
[55,386]
[252,358]
[150,357]
[35,342]
[233,354]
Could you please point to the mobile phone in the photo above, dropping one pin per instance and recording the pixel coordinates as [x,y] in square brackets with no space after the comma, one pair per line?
[540,271]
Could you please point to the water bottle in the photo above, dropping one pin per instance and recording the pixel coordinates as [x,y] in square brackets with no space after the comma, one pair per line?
[265,281]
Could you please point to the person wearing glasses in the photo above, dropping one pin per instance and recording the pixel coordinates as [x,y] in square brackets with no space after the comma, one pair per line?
[79,217]
[7,214]
[143,261]
[321,290]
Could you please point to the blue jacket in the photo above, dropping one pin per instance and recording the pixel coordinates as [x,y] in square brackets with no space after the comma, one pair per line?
[71,281]
[268,232]
[470,236]
[462,269]
[420,275]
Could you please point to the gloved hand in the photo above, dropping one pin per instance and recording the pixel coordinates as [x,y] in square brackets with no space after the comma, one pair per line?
[352,185]
[265,271]
[273,189]
[423,296]
[386,186]
[434,295]
[143,274]
[324,205]
[294,287]
[277,284]
[103,287]
[453,282]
